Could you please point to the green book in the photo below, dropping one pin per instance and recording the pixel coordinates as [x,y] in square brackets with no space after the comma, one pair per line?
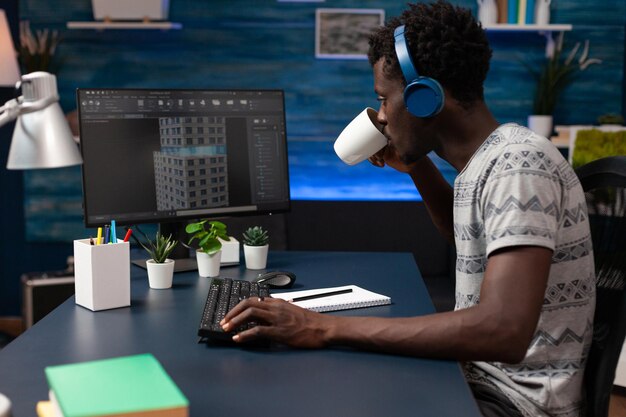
[127,386]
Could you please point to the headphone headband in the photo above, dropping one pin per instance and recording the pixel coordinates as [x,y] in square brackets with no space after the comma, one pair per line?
[404,56]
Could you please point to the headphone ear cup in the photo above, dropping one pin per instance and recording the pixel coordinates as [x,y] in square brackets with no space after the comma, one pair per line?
[424,97]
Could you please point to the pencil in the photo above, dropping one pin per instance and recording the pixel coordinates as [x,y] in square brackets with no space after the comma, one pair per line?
[320,295]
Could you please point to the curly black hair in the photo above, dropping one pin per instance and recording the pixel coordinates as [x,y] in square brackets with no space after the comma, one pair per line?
[446,43]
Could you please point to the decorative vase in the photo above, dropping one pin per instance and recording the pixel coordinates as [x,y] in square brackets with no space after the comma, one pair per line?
[487,12]
[256,256]
[542,12]
[160,275]
[540,124]
[209,265]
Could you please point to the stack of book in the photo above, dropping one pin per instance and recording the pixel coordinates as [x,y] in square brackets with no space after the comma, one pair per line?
[519,12]
[128,386]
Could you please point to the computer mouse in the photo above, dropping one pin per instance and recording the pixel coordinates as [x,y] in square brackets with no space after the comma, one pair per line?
[276,279]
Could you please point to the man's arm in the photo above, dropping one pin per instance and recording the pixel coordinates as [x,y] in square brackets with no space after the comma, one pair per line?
[499,328]
[437,194]
[435,191]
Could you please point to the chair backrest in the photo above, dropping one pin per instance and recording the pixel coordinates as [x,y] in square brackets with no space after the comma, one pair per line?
[604,183]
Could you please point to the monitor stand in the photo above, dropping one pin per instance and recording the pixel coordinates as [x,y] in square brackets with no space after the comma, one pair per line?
[180,253]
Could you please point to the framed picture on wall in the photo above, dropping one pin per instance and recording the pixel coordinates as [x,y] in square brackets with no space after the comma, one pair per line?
[344,33]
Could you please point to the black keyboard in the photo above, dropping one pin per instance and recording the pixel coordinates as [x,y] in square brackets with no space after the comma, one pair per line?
[224,294]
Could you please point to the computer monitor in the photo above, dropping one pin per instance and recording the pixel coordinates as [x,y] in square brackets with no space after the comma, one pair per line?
[167,156]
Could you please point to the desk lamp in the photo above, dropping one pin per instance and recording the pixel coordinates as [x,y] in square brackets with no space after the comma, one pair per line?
[42,138]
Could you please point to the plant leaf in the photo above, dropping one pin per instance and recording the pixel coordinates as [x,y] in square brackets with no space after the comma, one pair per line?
[218,225]
[194,227]
[212,246]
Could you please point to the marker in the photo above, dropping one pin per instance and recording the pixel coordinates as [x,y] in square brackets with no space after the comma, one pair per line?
[107,232]
[320,295]
[99,237]
[128,233]
[113,232]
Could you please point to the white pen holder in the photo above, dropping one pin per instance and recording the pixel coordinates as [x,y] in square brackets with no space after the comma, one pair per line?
[102,275]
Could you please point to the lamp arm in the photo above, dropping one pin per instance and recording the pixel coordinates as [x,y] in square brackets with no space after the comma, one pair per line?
[16,107]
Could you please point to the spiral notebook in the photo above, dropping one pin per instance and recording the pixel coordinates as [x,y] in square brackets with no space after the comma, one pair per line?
[357,298]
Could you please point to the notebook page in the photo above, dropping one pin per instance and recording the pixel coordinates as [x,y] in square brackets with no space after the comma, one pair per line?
[358,298]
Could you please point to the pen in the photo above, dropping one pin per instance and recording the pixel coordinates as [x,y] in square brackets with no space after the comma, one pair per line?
[90,240]
[113,232]
[99,237]
[128,233]
[107,231]
[320,295]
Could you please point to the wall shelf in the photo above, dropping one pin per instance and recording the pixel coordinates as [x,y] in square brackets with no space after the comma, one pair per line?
[508,27]
[124,25]
[545,30]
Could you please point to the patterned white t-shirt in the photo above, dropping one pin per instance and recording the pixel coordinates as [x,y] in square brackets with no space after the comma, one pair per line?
[517,189]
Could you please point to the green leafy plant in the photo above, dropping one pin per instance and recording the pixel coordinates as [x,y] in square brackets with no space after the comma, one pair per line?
[255,236]
[611,119]
[556,74]
[207,239]
[161,248]
[594,144]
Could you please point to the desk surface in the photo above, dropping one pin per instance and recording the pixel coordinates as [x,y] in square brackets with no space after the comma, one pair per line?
[277,381]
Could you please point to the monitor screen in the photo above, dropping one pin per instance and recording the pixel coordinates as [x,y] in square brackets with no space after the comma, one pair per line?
[157,155]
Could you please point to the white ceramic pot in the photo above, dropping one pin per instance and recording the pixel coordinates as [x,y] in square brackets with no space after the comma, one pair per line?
[256,256]
[209,265]
[160,276]
[540,124]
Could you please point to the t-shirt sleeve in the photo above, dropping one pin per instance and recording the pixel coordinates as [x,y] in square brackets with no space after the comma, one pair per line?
[521,199]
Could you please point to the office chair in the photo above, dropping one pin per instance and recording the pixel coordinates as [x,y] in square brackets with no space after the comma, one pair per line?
[604,183]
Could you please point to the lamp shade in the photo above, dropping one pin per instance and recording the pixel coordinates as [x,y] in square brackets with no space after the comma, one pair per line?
[42,138]
[9,70]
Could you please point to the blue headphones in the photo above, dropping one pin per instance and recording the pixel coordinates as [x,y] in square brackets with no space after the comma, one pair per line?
[423,96]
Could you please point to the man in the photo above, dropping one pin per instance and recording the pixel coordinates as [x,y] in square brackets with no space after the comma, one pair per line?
[525,291]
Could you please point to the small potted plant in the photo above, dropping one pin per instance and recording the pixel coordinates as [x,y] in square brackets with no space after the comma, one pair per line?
[554,76]
[255,247]
[209,254]
[160,267]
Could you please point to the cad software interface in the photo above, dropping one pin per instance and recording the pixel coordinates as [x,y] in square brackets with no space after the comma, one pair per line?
[153,155]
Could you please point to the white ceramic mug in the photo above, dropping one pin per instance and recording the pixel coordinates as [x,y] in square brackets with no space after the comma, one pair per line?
[361,139]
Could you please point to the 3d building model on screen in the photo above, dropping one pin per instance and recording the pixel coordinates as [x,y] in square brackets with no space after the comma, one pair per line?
[190,170]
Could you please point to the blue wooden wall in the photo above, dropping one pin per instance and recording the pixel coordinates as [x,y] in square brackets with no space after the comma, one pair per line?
[270,44]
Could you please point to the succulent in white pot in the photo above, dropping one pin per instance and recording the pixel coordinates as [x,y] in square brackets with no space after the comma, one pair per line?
[160,267]
[255,247]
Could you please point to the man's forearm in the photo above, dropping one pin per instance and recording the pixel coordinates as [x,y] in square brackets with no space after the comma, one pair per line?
[437,195]
[459,335]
